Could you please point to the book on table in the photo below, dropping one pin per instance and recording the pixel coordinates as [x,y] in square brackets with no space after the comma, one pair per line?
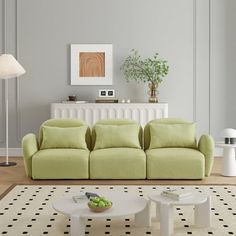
[177,194]
[73,102]
[106,100]
[79,198]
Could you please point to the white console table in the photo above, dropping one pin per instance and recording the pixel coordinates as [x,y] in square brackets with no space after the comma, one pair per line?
[92,112]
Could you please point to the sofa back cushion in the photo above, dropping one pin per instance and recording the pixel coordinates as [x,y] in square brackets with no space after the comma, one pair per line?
[116,133]
[115,136]
[172,135]
[66,123]
[147,135]
[69,137]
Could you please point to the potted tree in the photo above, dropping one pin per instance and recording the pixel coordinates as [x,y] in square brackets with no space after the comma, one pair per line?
[151,70]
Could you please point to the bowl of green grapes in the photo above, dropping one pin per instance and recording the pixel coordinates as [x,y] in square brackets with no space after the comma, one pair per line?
[99,204]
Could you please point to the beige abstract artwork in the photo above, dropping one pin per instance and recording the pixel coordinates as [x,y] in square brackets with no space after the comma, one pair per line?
[92,64]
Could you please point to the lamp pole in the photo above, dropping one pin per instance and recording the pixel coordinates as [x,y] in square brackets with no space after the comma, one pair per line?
[7,163]
[9,68]
[7,138]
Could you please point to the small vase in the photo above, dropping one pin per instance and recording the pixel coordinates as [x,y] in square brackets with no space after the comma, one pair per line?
[153,92]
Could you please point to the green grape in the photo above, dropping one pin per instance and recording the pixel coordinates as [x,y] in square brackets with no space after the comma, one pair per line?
[101,204]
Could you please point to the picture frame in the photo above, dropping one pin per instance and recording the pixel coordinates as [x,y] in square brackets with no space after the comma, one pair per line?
[91,64]
[111,93]
[106,93]
[102,93]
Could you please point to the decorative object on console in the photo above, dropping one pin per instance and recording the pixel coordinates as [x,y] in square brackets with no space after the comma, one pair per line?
[102,93]
[106,93]
[229,135]
[72,98]
[9,68]
[106,100]
[74,102]
[123,100]
[91,64]
[151,70]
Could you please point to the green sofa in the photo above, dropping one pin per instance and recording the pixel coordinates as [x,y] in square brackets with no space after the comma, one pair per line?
[117,149]
[56,163]
[178,158]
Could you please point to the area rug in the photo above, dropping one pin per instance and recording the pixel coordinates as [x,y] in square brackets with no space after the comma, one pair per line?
[27,210]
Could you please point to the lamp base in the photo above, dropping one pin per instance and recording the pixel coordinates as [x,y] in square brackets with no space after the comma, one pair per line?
[5,164]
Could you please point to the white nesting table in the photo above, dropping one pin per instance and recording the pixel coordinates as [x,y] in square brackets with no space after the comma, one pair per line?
[165,208]
[229,164]
[124,204]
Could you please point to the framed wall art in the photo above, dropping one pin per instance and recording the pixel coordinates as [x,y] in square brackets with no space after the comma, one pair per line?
[91,64]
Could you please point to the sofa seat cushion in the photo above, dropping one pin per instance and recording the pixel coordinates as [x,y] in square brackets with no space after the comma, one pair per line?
[175,163]
[60,164]
[118,163]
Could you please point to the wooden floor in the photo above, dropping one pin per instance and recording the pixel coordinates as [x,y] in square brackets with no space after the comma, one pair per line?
[16,175]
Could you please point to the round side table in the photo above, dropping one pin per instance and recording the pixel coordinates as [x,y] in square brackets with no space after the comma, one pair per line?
[165,211]
[229,163]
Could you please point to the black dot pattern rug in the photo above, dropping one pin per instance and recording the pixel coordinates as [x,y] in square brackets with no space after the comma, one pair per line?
[27,210]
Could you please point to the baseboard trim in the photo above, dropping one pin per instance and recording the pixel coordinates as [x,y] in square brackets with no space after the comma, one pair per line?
[14,152]
[218,152]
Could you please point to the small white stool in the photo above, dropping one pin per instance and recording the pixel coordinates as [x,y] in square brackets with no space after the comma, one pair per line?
[229,162]
[165,208]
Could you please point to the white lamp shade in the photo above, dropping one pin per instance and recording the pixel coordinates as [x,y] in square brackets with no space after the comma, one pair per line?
[10,67]
[228,133]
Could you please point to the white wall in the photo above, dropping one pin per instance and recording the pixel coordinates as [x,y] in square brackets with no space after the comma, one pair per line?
[188,33]
[223,66]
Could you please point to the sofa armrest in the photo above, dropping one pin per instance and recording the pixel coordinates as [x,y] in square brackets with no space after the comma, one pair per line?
[206,146]
[30,147]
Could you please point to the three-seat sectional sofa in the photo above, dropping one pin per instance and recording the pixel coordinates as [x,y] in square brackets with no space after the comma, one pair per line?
[117,149]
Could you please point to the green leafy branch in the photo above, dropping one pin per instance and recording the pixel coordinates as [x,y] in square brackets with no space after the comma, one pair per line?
[144,70]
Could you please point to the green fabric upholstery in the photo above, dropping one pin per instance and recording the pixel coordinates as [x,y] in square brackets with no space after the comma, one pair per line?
[56,163]
[65,123]
[112,136]
[173,135]
[60,164]
[116,122]
[175,163]
[30,147]
[69,137]
[159,121]
[206,146]
[179,162]
[118,163]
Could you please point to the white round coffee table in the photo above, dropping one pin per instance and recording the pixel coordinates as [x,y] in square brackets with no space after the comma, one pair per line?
[165,208]
[229,163]
[123,204]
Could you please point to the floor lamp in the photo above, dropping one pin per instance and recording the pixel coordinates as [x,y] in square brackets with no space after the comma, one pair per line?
[9,68]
